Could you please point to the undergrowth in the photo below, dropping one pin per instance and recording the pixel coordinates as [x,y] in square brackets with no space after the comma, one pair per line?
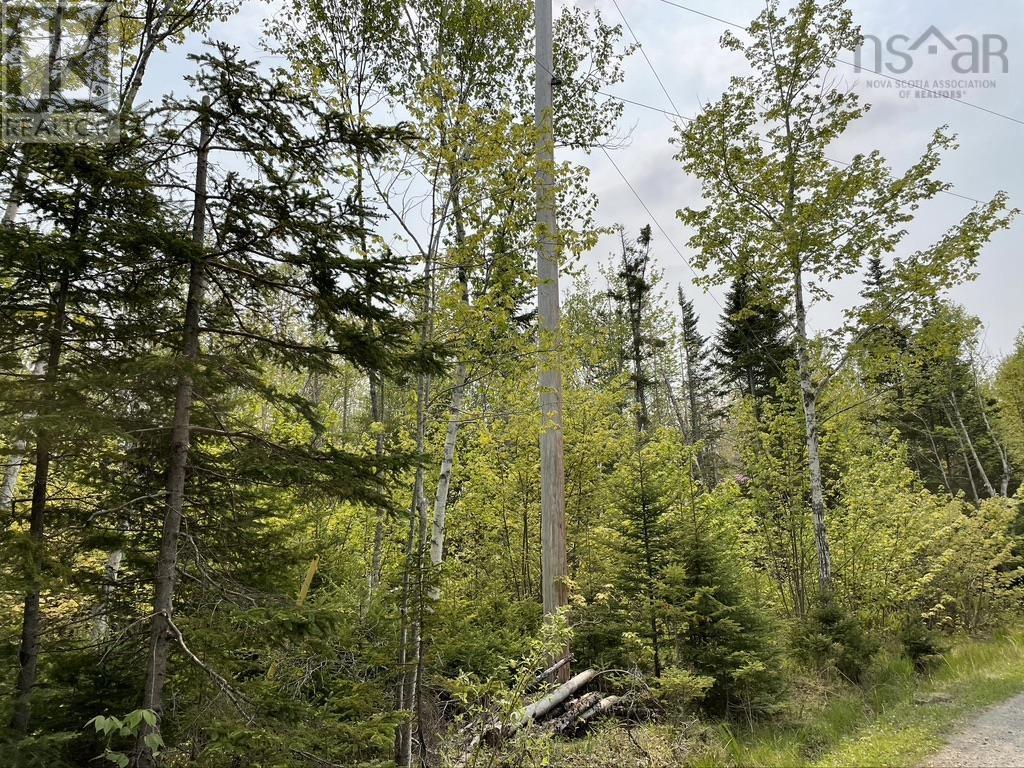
[893,717]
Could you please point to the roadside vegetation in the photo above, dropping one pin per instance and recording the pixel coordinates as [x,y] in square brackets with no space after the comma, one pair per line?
[896,717]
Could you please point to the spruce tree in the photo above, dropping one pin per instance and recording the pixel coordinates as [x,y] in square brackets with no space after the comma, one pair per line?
[278,237]
[642,513]
[721,634]
[701,387]
[751,346]
[82,300]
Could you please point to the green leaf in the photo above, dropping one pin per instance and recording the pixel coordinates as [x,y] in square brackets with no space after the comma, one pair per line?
[154,742]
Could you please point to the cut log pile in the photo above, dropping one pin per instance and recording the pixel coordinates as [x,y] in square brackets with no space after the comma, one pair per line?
[563,711]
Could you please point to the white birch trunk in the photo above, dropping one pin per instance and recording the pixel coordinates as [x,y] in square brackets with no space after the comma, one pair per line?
[810,400]
[989,488]
[17,457]
[101,623]
[445,479]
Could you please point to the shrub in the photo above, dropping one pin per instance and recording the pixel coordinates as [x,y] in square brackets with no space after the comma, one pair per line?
[678,690]
[833,641]
[923,645]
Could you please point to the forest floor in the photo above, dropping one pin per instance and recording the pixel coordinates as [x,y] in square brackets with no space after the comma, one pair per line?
[895,719]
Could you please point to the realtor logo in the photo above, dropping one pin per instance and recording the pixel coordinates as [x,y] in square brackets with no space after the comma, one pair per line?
[56,81]
[966,54]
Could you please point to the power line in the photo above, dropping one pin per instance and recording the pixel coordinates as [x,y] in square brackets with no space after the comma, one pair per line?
[778,366]
[644,54]
[940,94]
[677,114]
[670,113]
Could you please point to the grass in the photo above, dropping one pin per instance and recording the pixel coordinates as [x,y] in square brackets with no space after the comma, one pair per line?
[975,675]
[895,718]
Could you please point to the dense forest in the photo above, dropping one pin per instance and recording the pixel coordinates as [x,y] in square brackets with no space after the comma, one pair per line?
[270,416]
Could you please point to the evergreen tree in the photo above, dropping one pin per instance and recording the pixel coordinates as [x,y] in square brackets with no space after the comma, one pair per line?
[642,514]
[721,634]
[277,237]
[701,388]
[82,303]
[751,346]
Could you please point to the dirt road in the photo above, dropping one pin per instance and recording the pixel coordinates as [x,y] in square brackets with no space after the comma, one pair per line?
[994,740]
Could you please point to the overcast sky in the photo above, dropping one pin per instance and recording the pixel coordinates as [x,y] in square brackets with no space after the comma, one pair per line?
[684,49]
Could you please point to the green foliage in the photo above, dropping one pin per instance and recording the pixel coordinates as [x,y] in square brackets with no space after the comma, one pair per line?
[721,634]
[1009,386]
[751,347]
[110,728]
[357,277]
[678,690]
[834,641]
[923,645]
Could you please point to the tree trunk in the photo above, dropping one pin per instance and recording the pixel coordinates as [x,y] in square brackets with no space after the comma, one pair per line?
[455,412]
[28,652]
[161,636]
[377,416]
[17,458]
[810,401]
[403,694]
[445,478]
[989,488]
[376,384]
[541,708]
[603,706]
[101,623]
[410,644]
[691,387]
[1004,459]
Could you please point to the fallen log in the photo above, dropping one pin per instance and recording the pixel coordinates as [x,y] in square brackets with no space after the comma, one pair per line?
[602,707]
[547,673]
[539,709]
[567,720]
[529,714]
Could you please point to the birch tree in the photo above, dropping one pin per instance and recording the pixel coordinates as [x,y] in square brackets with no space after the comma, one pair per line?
[777,210]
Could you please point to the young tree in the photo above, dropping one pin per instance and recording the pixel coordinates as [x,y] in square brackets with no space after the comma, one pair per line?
[644,531]
[701,387]
[782,214]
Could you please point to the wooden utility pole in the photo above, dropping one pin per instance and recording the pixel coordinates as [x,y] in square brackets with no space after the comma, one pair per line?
[552,469]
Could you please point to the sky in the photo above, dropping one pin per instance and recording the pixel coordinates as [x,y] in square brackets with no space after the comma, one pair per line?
[683,48]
